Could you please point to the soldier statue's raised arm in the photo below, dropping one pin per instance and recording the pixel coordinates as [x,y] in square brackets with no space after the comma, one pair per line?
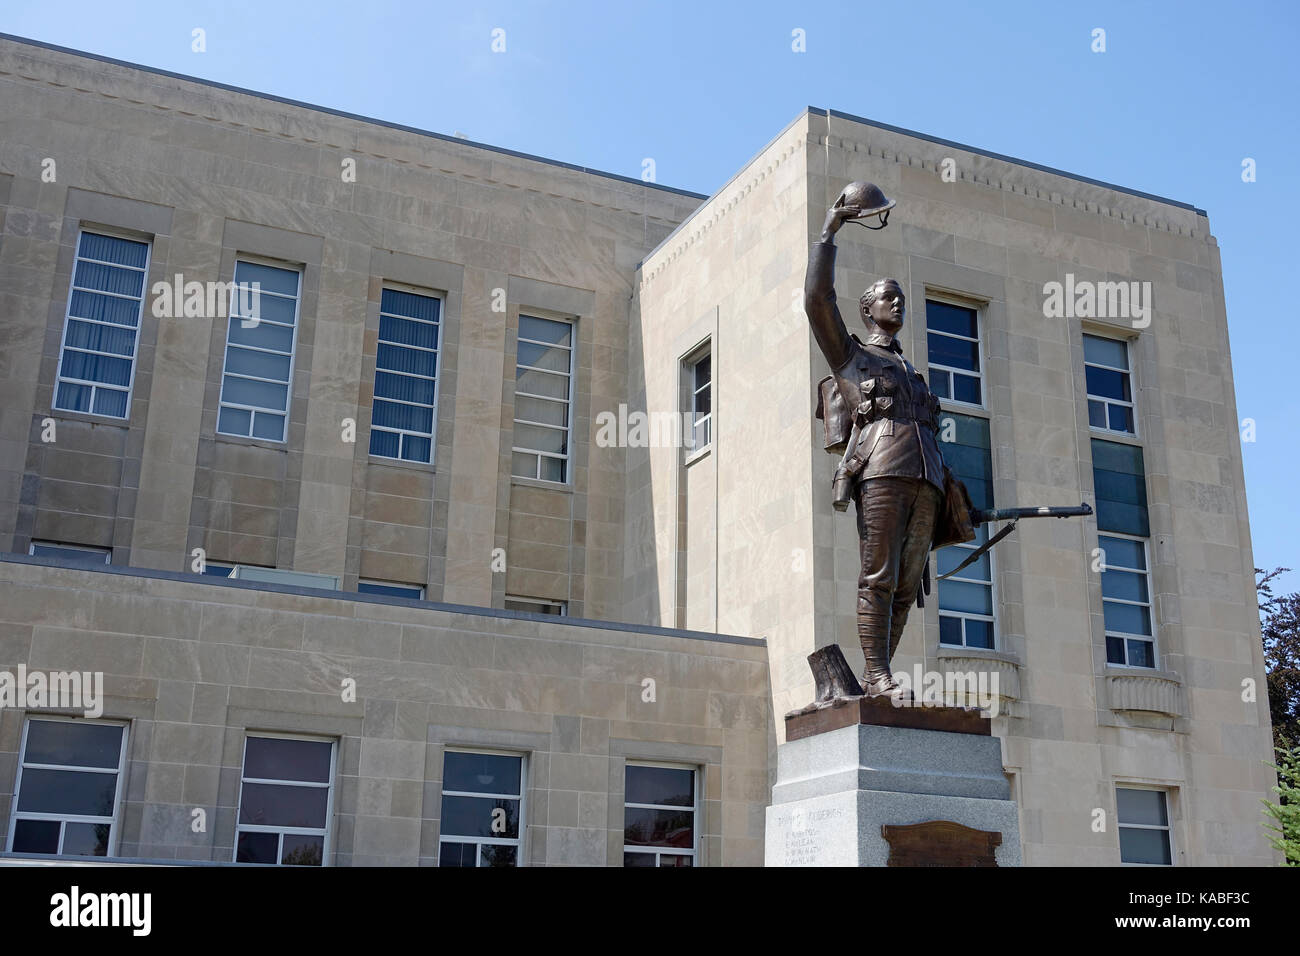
[892,468]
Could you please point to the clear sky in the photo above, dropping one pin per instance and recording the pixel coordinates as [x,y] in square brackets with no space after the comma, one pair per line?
[1183,93]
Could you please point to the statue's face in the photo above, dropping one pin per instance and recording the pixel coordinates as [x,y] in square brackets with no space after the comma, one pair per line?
[889,309]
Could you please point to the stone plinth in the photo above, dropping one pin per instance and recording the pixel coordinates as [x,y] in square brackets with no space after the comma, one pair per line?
[837,787]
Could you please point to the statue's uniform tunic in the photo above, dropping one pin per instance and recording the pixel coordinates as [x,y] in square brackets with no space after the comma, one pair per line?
[895,466]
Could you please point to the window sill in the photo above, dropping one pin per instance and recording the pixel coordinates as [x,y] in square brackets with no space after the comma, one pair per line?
[251,442]
[89,418]
[951,659]
[1144,689]
[1127,438]
[424,466]
[695,456]
[560,486]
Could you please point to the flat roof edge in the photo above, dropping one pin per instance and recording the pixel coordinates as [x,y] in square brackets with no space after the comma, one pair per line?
[181,576]
[271,97]
[1007,159]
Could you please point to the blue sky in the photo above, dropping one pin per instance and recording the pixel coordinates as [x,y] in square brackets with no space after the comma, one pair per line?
[1184,92]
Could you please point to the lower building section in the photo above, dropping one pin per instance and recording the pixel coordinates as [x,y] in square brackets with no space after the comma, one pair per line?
[171,717]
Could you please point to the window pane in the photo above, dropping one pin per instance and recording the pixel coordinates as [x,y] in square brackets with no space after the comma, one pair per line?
[494,854]
[939,383]
[660,785]
[540,410]
[523,465]
[268,426]
[73,398]
[264,335]
[407,332]
[1115,650]
[127,252]
[949,630]
[277,758]
[262,310]
[1141,653]
[259,364]
[243,391]
[68,791]
[416,418]
[110,401]
[415,448]
[399,359]
[234,421]
[942,317]
[553,469]
[409,303]
[480,817]
[537,438]
[639,859]
[274,805]
[85,839]
[269,278]
[102,278]
[1105,351]
[1141,806]
[481,773]
[555,359]
[101,338]
[406,388]
[74,743]
[703,372]
[1125,585]
[546,384]
[965,597]
[545,330]
[457,854]
[949,558]
[36,836]
[257,847]
[1144,846]
[955,353]
[1108,384]
[967,389]
[670,859]
[389,590]
[1126,618]
[300,849]
[659,827]
[979,633]
[384,444]
[1097,414]
[96,368]
[1121,418]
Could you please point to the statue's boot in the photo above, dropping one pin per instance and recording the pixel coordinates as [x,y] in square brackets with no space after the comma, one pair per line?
[878,680]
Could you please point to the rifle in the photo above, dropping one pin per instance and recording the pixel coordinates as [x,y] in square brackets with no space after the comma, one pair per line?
[984,516]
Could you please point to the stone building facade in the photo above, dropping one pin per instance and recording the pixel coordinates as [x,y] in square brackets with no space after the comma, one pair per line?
[372,536]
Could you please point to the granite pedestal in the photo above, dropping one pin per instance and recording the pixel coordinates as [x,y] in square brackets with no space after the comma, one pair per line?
[861,765]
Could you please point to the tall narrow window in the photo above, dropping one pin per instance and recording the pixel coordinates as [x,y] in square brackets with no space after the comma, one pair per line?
[1123,526]
[701,402]
[1110,387]
[660,822]
[482,809]
[285,801]
[101,330]
[260,338]
[1144,833]
[966,607]
[543,390]
[406,377]
[69,788]
[953,352]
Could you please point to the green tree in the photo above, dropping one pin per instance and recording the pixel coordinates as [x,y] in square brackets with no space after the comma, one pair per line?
[1286,812]
[1280,624]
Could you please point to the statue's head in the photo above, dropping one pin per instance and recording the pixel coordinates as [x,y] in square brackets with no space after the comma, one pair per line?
[884,305]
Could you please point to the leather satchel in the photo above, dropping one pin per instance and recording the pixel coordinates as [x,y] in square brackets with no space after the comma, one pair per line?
[834,415]
[954,524]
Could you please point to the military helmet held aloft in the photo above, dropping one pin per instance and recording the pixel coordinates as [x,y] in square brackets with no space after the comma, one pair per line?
[870,198]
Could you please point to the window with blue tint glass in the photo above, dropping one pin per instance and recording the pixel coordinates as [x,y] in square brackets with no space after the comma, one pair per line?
[102,326]
[1126,601]
[482,809]
[257,374]
[1120,488]
[543,372]
[1110,387]
[414,591]
[966,606]
[953,352]
[404,415]
[68,788]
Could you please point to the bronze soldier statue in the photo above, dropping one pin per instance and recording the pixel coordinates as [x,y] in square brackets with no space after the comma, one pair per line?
[892,468]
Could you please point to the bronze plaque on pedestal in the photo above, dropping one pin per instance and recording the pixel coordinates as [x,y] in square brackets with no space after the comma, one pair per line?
[940,843]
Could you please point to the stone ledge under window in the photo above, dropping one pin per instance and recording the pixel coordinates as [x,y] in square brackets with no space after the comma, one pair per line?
[1157,692]
[1004,665]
